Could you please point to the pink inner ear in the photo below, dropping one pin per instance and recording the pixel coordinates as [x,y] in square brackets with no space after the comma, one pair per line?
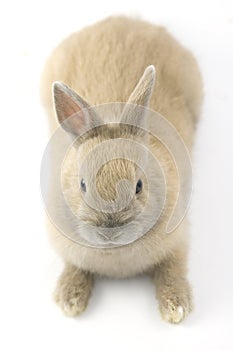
[75,123]
[69,112]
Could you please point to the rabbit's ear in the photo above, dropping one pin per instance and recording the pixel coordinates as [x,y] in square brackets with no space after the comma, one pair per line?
[142,92]
[139,97]
[73,113]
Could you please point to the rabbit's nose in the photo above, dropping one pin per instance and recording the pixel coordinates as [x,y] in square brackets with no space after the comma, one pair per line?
[115,220]
[111,220]
[113,223]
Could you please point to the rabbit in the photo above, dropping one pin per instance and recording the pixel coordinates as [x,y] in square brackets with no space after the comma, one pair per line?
[140,65]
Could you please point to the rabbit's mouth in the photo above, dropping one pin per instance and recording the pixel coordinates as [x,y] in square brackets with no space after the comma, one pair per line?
[109,229]
[109,238]
[110,233]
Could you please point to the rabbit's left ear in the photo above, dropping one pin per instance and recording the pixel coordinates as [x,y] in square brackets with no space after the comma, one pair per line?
[139,97]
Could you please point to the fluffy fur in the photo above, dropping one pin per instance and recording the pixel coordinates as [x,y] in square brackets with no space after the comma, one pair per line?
[103,63]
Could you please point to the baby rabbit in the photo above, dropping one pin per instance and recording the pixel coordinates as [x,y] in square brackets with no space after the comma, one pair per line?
[110,177]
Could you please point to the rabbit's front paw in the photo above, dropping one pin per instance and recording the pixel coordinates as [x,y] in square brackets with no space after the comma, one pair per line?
[175,306]
[72,293]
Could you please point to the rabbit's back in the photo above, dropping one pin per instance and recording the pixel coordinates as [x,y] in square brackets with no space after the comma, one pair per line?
[103,63]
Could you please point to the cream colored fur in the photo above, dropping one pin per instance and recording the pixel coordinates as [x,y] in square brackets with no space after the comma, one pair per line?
[103,63]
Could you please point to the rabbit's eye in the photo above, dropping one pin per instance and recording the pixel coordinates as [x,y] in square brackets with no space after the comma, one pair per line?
[83,185]
[139,186]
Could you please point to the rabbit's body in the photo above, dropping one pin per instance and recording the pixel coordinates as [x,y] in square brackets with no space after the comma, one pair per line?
[103,63]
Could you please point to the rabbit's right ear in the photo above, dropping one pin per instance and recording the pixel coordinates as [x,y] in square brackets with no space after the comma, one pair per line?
[73,113]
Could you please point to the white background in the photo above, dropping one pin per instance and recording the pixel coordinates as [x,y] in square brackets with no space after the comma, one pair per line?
[121,314]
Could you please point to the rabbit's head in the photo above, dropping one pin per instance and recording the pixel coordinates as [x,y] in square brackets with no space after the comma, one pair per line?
[105,173]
